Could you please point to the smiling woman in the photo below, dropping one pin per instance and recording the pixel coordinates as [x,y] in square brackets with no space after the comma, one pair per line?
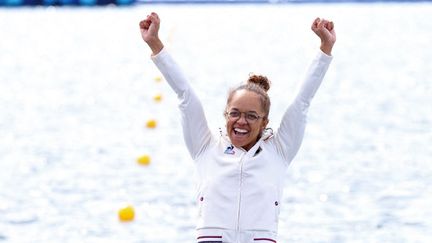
[251,97]
[244,131]
[241,172]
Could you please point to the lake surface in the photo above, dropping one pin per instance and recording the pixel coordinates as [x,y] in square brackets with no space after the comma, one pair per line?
[77,87]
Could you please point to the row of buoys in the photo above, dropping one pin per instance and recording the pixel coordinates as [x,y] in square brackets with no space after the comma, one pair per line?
[152,123]
[127,213]
[17,3]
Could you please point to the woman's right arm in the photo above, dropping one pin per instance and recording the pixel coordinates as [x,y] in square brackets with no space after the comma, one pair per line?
[196,133]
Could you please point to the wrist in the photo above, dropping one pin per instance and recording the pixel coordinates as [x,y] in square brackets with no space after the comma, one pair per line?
[326,48]
[155,45]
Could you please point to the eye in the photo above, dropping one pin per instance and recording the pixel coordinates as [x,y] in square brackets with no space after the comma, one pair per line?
[252,116]
[234,114]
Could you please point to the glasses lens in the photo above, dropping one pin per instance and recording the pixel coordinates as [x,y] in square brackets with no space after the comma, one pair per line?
[234,114]
[251,117]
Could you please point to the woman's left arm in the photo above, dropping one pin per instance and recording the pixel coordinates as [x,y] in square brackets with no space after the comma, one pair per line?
[290,134]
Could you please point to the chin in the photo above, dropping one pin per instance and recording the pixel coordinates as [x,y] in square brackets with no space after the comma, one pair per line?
[239,144]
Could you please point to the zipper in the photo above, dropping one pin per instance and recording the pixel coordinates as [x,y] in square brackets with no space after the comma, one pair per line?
[240,187]
[240,193]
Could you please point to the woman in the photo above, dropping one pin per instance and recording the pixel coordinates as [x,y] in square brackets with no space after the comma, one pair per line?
[241,172]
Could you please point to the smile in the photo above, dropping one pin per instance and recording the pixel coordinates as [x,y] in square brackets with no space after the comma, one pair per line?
[239,131]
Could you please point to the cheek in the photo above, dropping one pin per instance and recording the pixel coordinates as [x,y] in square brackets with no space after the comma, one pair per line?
[228,124]
[261,127]
[255,130]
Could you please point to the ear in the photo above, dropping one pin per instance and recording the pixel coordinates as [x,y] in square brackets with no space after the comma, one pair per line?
[264,124]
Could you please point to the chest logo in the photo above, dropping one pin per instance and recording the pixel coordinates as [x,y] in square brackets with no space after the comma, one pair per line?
[229,150]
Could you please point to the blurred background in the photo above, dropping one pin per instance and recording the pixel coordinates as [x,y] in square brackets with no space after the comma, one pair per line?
[88,126]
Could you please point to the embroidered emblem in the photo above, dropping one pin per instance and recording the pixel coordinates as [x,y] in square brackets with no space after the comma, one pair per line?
[229,150]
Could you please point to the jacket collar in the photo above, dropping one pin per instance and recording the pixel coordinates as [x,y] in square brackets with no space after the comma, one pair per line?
[266,134]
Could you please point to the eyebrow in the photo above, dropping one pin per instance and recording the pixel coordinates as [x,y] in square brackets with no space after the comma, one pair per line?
[235,109]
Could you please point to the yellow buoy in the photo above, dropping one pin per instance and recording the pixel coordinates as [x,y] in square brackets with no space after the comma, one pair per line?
[127,213]
[151,123]
[158,78]
[157,97]
[144,159]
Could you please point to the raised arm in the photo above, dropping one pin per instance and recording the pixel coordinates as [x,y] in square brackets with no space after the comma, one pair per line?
[290,134]
[195,129]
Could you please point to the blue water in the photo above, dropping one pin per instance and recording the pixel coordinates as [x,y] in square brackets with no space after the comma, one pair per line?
[276,1]
[76,88]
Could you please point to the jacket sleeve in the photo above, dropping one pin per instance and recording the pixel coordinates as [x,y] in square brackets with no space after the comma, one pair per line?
[290,134]
[196,133]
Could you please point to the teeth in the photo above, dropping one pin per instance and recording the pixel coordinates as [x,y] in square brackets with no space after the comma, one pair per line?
[240,130]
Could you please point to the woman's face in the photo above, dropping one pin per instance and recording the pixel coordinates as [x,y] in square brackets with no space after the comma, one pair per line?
[245,119]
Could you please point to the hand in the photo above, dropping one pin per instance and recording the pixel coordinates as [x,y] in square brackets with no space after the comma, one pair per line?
[150,32]
[324,29]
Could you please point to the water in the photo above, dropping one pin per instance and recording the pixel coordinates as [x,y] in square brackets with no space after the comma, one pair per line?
[76,91]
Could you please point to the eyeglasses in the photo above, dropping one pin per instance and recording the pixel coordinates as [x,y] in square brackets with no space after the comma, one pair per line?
[250,116]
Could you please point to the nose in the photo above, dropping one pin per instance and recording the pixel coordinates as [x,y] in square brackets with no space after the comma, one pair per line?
[242,119]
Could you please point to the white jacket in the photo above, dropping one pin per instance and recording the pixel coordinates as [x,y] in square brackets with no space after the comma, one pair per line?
[240,191]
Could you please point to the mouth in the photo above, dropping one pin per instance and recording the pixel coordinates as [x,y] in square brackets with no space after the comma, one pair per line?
[240,132]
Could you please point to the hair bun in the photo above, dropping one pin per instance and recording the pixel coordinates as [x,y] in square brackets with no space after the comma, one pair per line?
[259,80]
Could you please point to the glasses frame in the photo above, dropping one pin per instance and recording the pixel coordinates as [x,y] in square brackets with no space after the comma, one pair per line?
[227,114]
